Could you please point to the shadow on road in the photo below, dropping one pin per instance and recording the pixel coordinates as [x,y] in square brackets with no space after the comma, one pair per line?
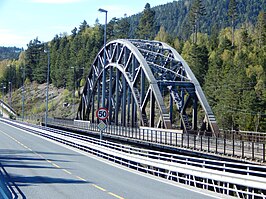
[11,160]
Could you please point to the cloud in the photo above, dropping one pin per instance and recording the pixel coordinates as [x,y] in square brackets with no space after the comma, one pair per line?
[9,38]
[56,1]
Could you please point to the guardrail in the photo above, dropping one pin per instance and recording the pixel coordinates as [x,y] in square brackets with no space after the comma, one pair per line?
[235,179]
[7,108]
[240,149]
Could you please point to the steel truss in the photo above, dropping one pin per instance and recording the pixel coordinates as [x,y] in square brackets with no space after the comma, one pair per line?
[146,81]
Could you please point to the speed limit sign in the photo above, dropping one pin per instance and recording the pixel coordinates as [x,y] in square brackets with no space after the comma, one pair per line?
[102,113]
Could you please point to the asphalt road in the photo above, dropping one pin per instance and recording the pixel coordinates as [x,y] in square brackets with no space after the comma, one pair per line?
[43,169]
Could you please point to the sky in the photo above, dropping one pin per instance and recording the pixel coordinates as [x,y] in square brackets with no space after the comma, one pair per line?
[24,20]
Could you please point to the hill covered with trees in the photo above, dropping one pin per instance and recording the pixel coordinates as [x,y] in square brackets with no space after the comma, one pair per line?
[224,43]
[9,52]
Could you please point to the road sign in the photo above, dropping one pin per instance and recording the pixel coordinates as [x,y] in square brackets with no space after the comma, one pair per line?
[102,113]
[102,126]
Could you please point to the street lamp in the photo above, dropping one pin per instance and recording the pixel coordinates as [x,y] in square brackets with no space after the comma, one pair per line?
[10,93]
[23,93]
[47,87]
[104,57]
[73,106]
[10,85]
[3,87]
[79,79]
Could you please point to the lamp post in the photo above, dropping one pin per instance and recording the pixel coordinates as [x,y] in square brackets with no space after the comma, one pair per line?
[80,76]
[3,87]
[104,57]
[10,93]
[47,87]
[23,93]
[73,106]
[9,84]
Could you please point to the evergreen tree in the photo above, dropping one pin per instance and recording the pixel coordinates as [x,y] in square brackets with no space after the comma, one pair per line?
[261,29]
[83,26]
[163,36]
[197,10]
[145,29]
[232,14]
[122,28]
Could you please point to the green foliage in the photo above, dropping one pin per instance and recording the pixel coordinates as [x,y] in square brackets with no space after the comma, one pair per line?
[163,36]
[9,53]
[197,10]
[145,29]
[235,81]
[174,16]
[224,45]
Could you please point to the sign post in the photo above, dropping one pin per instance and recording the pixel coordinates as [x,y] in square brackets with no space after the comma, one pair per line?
[102,114]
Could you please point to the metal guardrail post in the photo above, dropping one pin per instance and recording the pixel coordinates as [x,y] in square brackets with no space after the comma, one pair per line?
[252,148]
[216,145]
[224,146]
[243,148]
[263,151]
[233,145]
[201,142]
[182,138]
[208,144]
[188,140]
[194,142]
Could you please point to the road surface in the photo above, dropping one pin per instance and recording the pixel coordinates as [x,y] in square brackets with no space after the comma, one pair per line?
[39,168]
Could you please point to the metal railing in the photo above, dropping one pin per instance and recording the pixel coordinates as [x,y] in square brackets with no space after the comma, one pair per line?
[250,136]
[241,149]
[235,179]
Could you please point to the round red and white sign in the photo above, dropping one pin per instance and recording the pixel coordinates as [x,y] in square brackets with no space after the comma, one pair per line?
[102,113]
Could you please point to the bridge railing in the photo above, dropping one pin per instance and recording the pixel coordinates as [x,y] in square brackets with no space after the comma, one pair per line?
[241,149]
[251,136]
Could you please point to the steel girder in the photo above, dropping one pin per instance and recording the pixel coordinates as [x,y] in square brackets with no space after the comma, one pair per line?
[144,79]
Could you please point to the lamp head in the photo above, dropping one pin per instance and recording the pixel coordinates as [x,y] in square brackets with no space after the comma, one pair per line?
[102,10]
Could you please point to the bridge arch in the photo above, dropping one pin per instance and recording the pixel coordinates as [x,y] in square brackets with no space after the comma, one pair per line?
[147,81]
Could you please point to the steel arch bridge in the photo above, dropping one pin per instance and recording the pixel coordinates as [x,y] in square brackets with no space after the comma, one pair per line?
[147,83]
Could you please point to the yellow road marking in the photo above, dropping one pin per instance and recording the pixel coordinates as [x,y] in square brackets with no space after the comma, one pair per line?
[96,186]
[67,171]
[55,165]
[81,178]
[112,194]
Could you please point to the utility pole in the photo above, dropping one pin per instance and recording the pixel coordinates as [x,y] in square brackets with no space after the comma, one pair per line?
[104,57]
[74,82]
[47,87]
[23,93]
[3,87]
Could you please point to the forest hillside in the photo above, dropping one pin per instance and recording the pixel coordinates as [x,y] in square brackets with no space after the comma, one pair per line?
[223,42]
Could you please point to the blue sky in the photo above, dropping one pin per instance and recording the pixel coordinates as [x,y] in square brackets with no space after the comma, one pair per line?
[24,20]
